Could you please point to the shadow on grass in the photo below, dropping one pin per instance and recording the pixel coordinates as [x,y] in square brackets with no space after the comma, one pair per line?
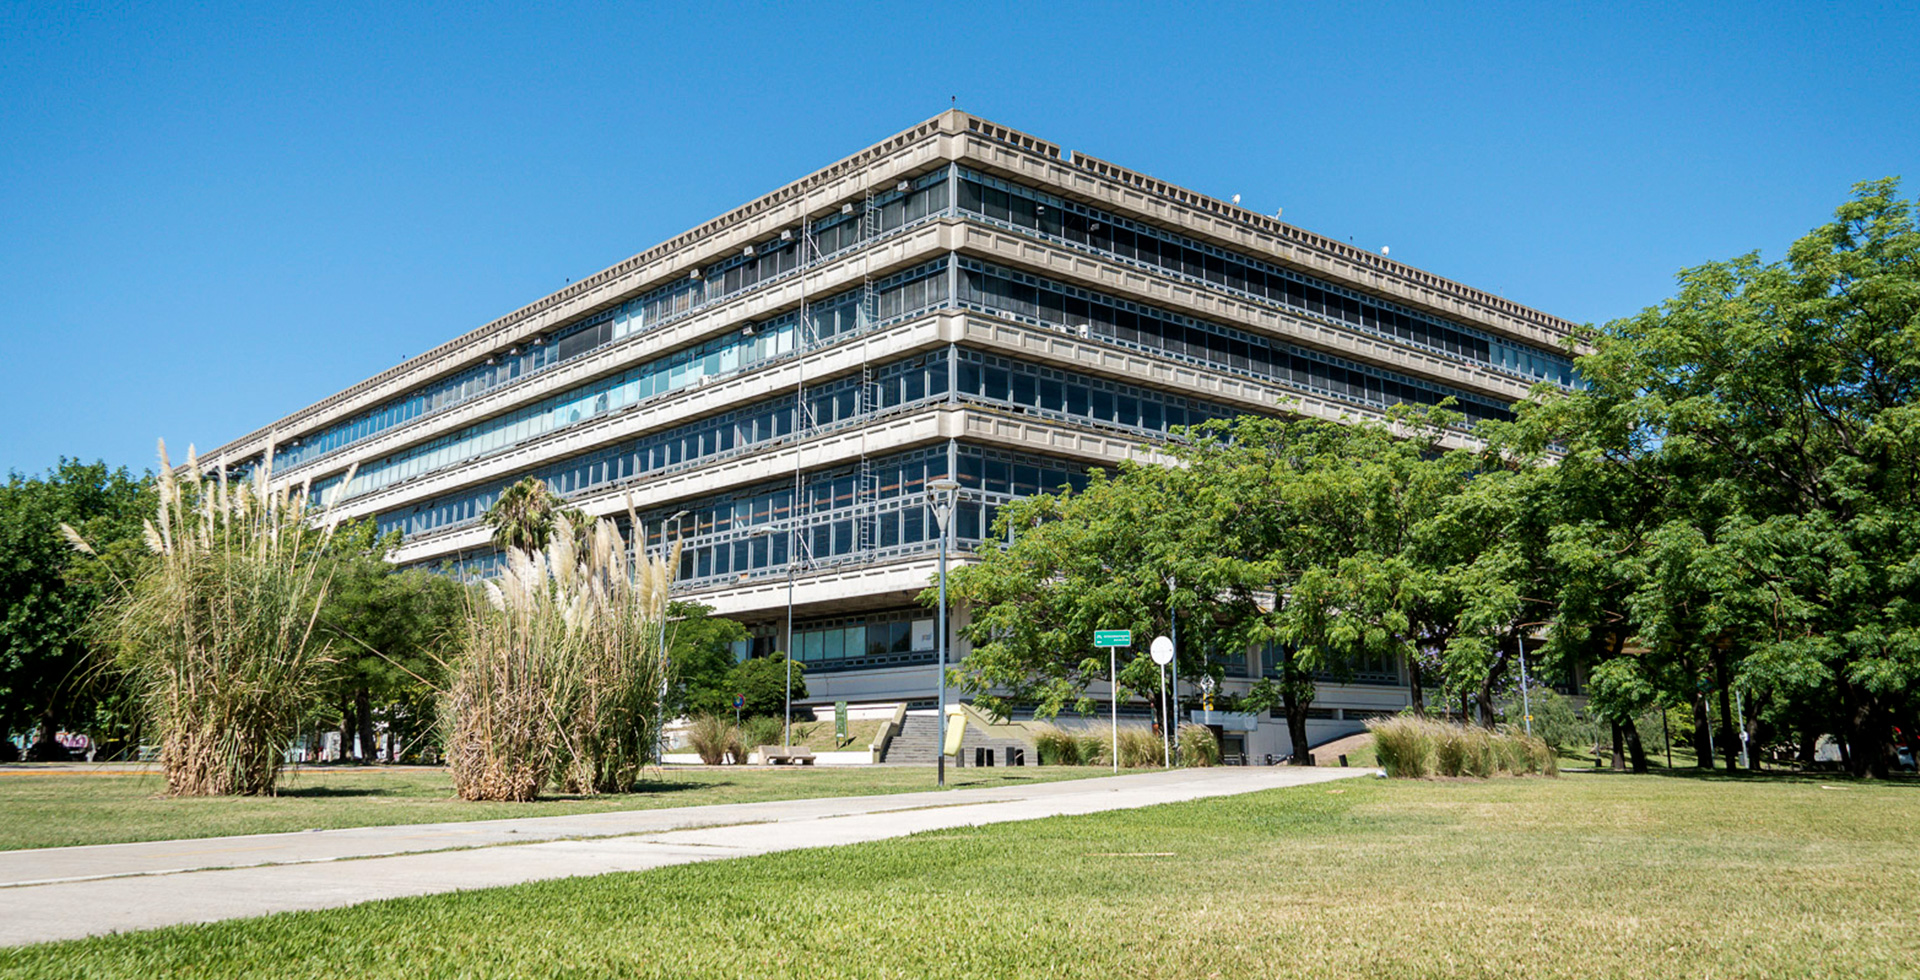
[650,787]
[331,792]
[1905,780]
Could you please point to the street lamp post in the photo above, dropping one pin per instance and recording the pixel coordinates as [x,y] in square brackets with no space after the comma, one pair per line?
[947,490]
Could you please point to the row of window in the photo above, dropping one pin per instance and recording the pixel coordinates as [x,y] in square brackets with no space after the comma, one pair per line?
[997,290]
[891,638]
[1000,380]
[892,385]
[976,376]
[1094,230]
[776,338]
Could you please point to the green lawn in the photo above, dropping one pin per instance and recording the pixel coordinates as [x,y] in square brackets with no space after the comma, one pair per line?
[54,809]
[1583,876]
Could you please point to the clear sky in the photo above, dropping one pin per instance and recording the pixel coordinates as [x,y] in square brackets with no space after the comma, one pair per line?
[212,215]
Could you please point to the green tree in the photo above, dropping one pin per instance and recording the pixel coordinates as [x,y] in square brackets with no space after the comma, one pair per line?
[1769,410]
[1284,535]
[701,647]
[523,516]
[50,674]
[388,632]
[762,682]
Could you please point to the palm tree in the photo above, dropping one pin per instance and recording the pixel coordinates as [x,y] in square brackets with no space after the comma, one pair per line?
[522,518]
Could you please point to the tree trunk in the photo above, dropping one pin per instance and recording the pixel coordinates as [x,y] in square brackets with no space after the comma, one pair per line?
[363,717]
[1809,744]
[1619,761]
[1702,733]
[346,729]
[1636,753]
[1485,694]
[1296,708]
[1416,695]
[1868,734]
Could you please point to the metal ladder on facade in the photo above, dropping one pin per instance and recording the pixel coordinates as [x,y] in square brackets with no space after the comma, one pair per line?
[866,516]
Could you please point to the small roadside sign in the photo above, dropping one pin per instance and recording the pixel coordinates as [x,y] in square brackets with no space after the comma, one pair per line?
[1162,649]
[739,702]
[1103,639]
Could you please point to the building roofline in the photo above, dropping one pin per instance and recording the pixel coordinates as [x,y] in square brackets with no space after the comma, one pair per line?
[952,122]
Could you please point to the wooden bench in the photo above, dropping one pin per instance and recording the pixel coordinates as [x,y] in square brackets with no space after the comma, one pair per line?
[774,755]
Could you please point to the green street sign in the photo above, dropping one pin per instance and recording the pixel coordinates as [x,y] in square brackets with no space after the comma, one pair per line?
[1103,639]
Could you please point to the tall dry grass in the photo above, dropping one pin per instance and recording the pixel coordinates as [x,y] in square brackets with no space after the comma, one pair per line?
[1198,746]
[216,637]
[1056,746]
[559,674]
[1141,748]
[1411,747]
[715,740]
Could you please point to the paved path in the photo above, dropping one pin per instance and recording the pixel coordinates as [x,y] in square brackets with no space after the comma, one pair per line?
[69,892]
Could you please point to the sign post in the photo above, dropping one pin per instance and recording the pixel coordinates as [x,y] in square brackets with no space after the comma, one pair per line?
[839,723]
[1113,640]
[1162,650]
[738,703]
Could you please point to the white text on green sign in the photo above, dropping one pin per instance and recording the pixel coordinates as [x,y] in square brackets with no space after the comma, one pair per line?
[1112,638]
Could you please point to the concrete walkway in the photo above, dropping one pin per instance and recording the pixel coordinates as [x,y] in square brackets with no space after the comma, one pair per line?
[70,892]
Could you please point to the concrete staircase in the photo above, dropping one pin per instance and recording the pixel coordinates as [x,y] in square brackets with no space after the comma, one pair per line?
[917,743]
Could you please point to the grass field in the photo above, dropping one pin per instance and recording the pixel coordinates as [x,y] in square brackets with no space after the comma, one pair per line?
[1583,876]
[64,807]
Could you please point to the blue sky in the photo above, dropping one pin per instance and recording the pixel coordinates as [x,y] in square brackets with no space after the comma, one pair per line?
[214,215]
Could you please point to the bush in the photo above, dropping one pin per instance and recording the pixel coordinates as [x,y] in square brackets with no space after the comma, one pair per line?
[758,731]
[1198,747]
[1056,747]
[1555,719]
[714,738]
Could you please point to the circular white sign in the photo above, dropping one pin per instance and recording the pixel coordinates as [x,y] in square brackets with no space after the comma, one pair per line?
[1162,651]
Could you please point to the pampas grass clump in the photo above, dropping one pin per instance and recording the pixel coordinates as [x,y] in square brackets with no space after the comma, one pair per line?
[1404,745]
[1140,747]
[1198,747]
[1056,747]
[715,740]
[1411,747]
[216,637]
[560,669]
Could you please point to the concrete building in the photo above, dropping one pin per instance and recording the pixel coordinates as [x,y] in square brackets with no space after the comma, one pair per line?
[958,300]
